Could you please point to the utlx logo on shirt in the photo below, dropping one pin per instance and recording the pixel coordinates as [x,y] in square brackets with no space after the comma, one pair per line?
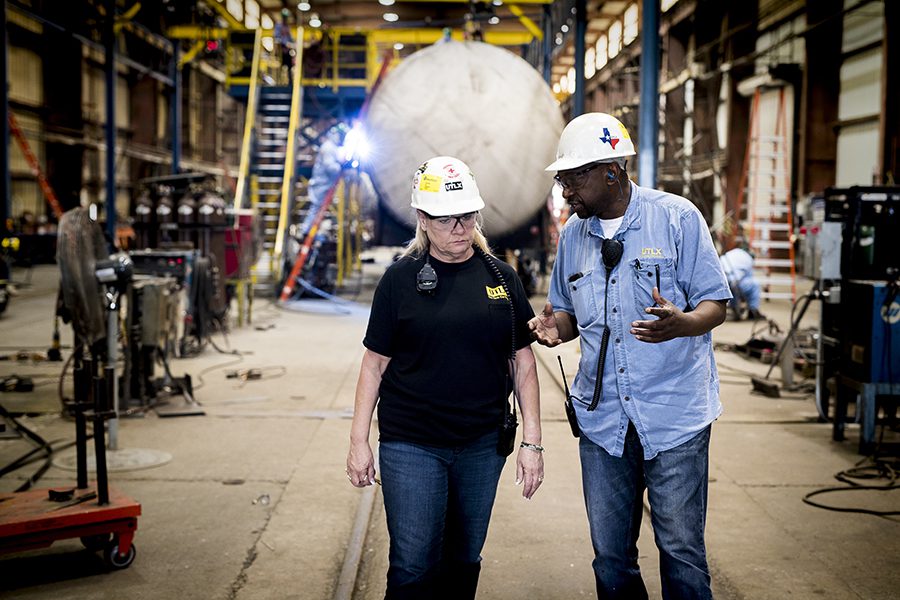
[495,293]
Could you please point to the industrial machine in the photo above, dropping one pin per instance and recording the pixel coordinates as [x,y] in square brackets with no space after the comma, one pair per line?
[180,224]
[856,264]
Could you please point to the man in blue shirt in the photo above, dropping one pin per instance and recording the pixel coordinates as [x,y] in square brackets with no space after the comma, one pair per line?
[638,279]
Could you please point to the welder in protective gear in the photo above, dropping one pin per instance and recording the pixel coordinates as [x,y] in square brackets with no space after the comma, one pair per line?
[637,277]
[325,172]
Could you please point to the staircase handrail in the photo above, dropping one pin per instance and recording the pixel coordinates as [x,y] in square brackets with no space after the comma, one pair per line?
[249,123]
[288,184]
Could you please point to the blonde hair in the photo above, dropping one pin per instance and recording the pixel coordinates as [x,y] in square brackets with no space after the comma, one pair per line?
[418,246]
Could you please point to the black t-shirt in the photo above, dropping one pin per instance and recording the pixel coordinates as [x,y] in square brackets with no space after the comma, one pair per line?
[448,378]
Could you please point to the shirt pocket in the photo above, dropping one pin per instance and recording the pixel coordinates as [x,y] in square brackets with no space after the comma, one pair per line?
[584,300]
[648,273]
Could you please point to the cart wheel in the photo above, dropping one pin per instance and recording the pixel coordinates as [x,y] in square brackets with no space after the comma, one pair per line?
[95,542]
[119,562]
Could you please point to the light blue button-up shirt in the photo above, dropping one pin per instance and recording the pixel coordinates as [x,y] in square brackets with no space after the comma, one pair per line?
[669,390]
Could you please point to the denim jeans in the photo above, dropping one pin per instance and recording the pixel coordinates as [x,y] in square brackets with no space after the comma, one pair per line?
[438,504]
[676,481]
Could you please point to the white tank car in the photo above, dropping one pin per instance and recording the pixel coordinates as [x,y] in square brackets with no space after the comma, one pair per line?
[476,102]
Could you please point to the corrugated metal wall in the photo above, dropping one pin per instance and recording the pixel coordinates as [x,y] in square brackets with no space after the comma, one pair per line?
[859,103]
[26,86]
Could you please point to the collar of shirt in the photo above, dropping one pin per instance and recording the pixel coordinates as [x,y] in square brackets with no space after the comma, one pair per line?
[631,219]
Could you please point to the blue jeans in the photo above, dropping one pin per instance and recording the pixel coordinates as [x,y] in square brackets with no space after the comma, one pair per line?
[676,481]
[438,505]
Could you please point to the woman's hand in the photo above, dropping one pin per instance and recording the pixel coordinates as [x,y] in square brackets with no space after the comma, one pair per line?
[529,471]
[360,464]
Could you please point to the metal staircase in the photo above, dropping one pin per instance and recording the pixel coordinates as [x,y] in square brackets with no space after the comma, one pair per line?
[267,165]
[267,181]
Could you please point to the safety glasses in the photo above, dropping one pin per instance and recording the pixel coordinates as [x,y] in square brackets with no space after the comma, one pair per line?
[573,181]
[449,223]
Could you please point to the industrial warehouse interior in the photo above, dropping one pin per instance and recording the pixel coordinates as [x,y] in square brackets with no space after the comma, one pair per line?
[200,199]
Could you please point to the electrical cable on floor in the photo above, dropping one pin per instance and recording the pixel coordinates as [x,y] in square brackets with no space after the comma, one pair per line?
[257,373]
[41,443]
[336,300]
[26,459]
[200,383]
[880,468]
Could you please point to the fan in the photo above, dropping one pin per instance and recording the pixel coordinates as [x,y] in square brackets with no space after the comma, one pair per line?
[80,245]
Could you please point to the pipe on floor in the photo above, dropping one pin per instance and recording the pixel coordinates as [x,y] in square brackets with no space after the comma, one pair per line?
[352,558]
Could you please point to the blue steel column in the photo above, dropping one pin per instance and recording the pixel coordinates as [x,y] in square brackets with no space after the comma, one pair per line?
[648,125]
[110,58]
[547,46]
[580,32]
[175,109]
[6,200]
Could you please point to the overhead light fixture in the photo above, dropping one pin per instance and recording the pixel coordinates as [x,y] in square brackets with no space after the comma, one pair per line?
[564,28]
[497,3]
[390,17]
[386,2]
[398,46]
[494,20]
[304,6]
[314,20]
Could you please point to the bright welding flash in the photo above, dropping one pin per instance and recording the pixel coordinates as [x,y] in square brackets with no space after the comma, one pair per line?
[356,146]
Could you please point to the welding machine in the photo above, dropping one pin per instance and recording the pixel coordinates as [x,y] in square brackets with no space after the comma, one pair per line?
[871,332]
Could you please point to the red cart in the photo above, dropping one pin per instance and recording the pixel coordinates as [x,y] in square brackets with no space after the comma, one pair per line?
[30,520]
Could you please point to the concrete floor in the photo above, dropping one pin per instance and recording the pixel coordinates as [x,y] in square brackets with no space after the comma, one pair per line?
[254,503]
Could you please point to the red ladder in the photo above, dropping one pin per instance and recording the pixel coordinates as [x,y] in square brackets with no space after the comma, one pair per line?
[35,165]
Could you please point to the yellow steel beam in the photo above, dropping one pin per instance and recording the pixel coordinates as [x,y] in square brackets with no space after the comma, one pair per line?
[190,54]
[383,36]
[125,17]
[195,32]
[223,12]
[526,22]
[430,36]
[467,1]
[248,125]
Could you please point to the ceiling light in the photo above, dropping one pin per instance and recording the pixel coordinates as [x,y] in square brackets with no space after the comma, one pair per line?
[386,2]
[304,6]
[494,20]
[564,28]
[314,20]
[390,17]
[497,2]
[398,46]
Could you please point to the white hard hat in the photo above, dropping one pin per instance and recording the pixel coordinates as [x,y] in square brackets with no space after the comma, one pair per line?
[592,137]
[444,186]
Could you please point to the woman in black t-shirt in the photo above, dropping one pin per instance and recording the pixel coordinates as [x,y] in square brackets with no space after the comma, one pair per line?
[446,320]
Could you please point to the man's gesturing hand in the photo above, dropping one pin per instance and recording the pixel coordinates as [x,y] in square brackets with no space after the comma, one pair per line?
[670,324]
[544,328]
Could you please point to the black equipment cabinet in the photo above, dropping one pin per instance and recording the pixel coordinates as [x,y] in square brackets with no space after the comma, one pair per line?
[865,326]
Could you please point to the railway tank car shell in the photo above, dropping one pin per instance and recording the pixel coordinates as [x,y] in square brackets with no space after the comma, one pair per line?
[476,102]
